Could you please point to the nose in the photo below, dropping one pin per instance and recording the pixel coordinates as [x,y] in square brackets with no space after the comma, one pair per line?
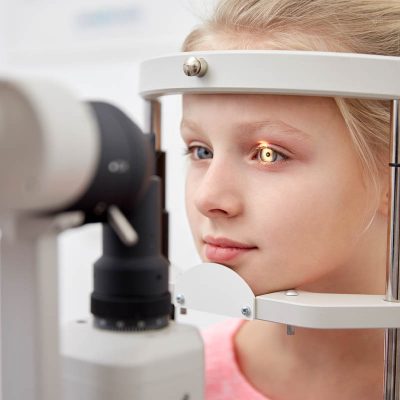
[220,192]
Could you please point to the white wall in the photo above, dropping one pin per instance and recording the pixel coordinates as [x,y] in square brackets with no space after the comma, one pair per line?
[95,48]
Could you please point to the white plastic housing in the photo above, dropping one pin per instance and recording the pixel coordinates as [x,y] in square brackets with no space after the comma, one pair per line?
[29,305]
[49,145]
[215,289]
[164,364]
[275,72]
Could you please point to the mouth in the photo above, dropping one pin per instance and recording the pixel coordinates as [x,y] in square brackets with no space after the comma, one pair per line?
[221,250]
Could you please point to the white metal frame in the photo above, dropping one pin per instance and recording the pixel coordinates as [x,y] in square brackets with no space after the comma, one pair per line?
[278,72]
[200,289]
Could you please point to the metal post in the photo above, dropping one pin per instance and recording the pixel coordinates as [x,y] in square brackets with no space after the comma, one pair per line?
[153,126]
[392,337]
[153,120]
[29,310]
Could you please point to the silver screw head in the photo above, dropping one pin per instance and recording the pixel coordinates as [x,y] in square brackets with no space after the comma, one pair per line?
[246,311]
[180,299]
[194,66]
[290,330]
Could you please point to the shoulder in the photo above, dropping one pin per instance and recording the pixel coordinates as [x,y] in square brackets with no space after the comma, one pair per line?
[224,380]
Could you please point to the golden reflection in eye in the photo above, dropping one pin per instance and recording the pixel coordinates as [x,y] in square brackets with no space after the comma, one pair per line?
[265,153]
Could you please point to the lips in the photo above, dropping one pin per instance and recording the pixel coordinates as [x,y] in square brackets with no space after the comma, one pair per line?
[221,250]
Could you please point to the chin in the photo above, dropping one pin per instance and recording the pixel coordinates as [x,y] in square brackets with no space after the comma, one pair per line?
[259,290]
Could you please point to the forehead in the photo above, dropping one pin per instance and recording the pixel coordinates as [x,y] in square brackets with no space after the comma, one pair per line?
[310,114]
[257,101]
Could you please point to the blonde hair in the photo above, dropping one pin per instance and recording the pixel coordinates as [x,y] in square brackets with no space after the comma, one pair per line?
[359,26]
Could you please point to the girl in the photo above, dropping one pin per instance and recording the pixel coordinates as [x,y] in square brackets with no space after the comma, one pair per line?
[291,192]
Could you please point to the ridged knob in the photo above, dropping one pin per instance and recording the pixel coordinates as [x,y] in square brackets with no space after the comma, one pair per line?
[194,66]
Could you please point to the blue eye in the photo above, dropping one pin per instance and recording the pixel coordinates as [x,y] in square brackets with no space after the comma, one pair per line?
[199,152]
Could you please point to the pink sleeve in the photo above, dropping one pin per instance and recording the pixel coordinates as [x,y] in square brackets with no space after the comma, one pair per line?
[224,380]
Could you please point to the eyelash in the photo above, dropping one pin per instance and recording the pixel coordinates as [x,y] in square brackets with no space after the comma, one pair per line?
[190,151]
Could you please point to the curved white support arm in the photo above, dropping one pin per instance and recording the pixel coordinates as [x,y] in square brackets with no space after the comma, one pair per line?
[328,310]
[275,72]
[217,289]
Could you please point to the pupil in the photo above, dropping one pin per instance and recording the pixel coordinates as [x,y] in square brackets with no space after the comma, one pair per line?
[267,155]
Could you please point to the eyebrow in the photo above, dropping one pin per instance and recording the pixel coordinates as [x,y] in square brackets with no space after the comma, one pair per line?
[188,124]
[254,127]
[275,124]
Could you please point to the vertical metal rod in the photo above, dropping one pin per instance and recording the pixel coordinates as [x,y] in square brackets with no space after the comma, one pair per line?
[153,120]
[392,336]
[153,126]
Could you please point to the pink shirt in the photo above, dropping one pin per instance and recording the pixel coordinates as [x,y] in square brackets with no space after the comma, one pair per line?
[224,380]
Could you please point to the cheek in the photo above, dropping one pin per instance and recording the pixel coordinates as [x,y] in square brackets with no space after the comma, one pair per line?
[282,215]
[191,210]
[309,219]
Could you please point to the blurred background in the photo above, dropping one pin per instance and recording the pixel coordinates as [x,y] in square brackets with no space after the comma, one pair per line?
[95,47]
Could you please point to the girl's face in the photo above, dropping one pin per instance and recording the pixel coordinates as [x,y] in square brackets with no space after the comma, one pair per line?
[274,187]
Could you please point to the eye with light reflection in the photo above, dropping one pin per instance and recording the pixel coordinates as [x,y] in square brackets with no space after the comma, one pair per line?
[267,155]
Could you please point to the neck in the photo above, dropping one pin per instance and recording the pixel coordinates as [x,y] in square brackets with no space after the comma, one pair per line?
[328,364]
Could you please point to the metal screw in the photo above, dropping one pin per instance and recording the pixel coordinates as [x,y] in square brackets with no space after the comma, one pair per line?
[183,310]
[194,66]
[246,311]
[290,330]
[291,293]
[180,299]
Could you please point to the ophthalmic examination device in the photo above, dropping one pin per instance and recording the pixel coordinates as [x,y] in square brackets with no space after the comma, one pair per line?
[65,162]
